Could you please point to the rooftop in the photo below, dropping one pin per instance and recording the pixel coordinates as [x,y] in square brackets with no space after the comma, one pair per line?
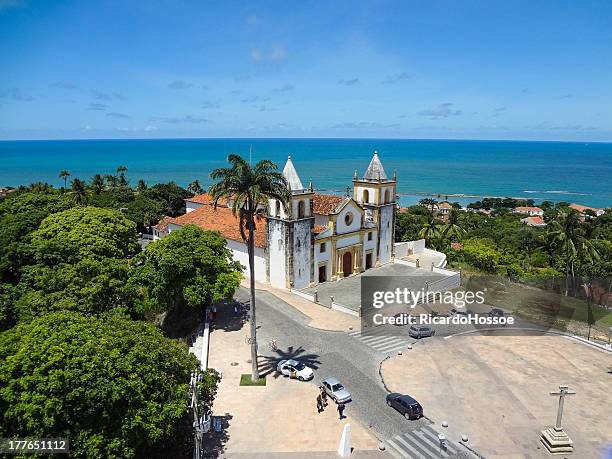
[324,204]
[375,170]
[292,177]
[223,221]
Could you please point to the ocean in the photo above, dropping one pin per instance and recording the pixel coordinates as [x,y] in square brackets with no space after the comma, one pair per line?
[464,171]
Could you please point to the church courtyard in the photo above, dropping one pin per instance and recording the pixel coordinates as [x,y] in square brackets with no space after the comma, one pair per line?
[496,390]
[347,291]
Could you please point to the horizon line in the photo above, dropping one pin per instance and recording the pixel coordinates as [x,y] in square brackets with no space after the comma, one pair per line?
[70,139]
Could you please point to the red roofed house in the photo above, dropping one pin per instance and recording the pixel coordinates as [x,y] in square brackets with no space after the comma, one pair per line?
[582,209]
[536,221]
[529,210]
[318,238]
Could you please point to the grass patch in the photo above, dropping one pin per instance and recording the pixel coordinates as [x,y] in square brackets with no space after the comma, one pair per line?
[245,380]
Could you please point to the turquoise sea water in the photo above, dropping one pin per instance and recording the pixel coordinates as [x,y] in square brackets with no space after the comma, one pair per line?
[576,172]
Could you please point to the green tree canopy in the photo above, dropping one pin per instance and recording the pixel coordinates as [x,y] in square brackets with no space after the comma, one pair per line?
[188,268]
[83,233]
[116,388]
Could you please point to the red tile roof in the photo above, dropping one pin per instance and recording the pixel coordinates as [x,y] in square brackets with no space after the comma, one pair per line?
[205,198]
[163,224]
[580,208]
[222,220]
[319,228]
[445,205]
[534,221]
[324,204]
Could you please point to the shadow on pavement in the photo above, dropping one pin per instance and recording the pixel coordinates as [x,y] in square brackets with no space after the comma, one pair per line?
[268,363]
[230,316]
[214,442]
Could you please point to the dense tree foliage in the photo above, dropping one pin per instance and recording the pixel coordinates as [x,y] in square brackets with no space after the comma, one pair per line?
[115,387]
[20,214]
[188,268]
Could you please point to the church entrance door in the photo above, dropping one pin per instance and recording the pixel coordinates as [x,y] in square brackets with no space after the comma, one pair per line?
[347,264]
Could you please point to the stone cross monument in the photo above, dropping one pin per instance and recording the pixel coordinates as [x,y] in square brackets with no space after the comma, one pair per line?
[554,438]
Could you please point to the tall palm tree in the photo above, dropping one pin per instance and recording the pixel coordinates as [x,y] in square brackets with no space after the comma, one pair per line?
[452,229]
[430,230]
[111,181]
[568,240]
[249,188]
[141,186]
[195,187]
[64,174]
[79,191]
[97,184]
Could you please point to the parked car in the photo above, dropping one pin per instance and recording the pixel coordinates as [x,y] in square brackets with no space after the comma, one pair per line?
[458,312]
[496,312]
[336,390]
[420,331]
[405,405]
[296,369]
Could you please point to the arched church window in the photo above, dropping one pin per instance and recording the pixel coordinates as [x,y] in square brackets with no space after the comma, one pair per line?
[277,210]
[301,209]
[366,196]
[387,197]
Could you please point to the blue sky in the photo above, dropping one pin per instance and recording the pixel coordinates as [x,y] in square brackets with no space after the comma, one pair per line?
[398,69]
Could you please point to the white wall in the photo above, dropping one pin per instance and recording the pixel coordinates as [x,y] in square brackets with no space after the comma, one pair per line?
[320,258]
[277,253]
[386,234]
[341,226]
[322,220]
[402,248]
[301,253]
[346,241]
[240,253]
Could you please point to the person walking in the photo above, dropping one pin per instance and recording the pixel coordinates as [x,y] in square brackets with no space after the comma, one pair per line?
[341,407]
[320,407]
[324,396]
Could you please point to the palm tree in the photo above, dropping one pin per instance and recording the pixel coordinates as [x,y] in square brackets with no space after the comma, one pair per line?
[79,191]
[97,184]
[430,230]
[111,181]
[567,239]
[452,229]
[141,186]
[195,187]
[249,188]
[64,174]
[121,170]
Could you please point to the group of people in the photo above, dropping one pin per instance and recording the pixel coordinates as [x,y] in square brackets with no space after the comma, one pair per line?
[322,403]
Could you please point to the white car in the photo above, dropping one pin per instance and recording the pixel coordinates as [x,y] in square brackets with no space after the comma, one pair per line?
[295,369]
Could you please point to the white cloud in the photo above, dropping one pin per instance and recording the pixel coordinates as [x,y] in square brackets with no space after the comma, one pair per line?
[441,111]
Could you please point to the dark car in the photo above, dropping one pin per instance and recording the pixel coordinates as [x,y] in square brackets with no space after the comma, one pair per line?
[495,312]
[406,405]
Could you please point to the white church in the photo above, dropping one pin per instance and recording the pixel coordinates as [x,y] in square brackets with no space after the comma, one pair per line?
[319,238]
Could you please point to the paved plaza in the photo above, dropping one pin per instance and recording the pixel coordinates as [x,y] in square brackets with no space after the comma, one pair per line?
[347,291]
[278,418]
[496,390]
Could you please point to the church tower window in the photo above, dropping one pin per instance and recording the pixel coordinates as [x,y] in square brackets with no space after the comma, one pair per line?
[277,211]
[366,196]
[301,209]
[387,197]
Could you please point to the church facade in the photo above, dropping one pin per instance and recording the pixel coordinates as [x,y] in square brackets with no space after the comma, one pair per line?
[317,237]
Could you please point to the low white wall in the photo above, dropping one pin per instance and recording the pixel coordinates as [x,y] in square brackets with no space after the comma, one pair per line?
[406,263]
[344,309]
[306,296]
[402,249]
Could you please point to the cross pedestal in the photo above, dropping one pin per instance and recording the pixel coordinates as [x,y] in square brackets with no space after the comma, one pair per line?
[554,438]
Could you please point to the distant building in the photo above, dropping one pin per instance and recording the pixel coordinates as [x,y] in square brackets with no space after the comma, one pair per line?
[161,229]
[443,208]
[318,238]
[535,221]
[529,210]
[582,210]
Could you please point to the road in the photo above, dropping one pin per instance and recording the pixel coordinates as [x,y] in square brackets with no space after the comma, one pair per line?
[330,354]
